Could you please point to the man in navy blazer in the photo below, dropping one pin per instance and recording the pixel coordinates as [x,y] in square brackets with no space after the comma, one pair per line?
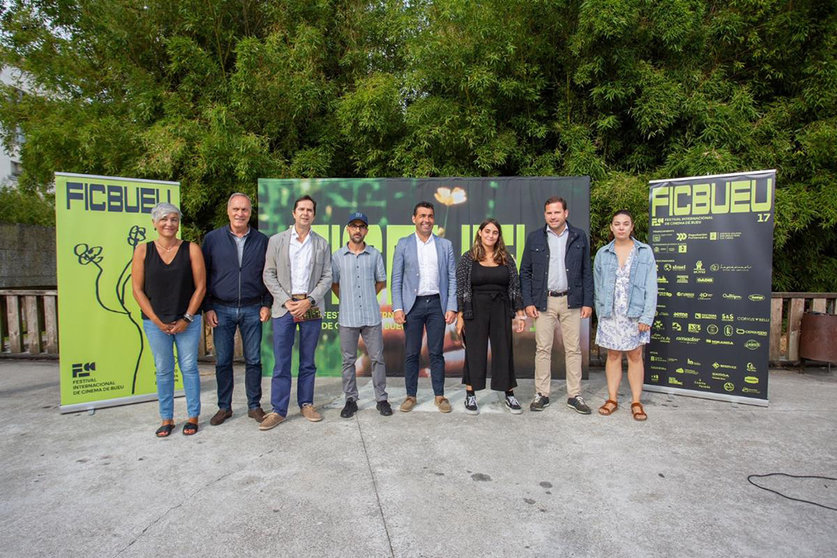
[556,281]
[424,297]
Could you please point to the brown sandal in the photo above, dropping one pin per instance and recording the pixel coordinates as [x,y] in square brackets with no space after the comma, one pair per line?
[607,411]
[639,413]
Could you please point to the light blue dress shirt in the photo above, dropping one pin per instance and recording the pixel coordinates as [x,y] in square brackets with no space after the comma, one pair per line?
[557,274]
[357,274]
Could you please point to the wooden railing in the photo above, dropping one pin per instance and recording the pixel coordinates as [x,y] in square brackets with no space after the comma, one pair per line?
[29,325]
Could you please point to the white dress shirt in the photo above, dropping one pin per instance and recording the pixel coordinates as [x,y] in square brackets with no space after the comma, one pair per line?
[428,267]
[300,254]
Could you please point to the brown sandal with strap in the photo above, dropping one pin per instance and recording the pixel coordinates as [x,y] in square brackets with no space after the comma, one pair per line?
[639,414]
[607,411]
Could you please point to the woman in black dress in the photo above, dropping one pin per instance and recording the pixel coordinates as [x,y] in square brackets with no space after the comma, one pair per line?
[489,300]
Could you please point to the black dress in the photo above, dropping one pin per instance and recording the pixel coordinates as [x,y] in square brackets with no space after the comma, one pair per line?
[492,315]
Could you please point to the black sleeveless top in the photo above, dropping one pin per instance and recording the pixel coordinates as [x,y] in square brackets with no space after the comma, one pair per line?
[486,279]
[168,287]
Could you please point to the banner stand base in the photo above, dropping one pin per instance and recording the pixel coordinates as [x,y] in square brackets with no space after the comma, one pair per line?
[92,405]
[706,395]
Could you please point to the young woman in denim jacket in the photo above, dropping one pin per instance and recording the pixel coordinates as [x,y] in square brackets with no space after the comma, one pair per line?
[625,278]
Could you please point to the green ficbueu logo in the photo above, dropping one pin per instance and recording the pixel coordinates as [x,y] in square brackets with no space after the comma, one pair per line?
[739,196]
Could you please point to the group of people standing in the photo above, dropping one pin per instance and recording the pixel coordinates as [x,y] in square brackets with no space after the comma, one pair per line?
[239,279]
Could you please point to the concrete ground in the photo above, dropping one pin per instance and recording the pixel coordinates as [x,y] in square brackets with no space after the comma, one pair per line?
[420,484]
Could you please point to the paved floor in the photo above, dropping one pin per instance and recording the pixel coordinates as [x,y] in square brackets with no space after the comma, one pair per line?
[420,484]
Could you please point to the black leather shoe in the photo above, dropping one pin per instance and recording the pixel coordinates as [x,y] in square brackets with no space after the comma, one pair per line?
[349,409]
[384,408]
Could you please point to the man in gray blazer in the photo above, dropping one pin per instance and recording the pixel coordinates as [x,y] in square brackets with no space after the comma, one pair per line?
[424,297]
[297,272]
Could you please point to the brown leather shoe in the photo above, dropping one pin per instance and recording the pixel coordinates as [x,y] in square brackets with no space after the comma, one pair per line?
[270,420]
[310,413]
[408,404]
[443,404]
[256,414]
[220,417]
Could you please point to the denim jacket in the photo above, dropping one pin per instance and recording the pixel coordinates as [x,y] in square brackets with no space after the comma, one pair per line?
[642,298]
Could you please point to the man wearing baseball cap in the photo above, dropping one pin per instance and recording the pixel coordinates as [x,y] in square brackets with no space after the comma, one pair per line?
[358,276]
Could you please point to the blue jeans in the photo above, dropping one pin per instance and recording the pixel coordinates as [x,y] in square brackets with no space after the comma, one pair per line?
[425,313]
[162,347]
[284,331]
[245,318]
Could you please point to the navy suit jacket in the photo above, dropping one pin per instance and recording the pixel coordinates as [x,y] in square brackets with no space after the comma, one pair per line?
[405,274]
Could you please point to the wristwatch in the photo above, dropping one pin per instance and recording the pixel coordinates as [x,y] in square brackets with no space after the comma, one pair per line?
[312,301]
[188,317]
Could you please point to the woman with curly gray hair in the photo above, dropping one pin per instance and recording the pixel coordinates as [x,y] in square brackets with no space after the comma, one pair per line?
[489,300]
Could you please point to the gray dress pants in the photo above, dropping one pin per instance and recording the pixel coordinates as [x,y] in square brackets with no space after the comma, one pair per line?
[374,339]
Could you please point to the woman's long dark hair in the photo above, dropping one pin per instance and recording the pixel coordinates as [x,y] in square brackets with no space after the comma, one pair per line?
[501,255]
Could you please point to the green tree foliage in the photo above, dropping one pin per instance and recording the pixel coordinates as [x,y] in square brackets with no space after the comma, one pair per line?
[27,208]
[216,94]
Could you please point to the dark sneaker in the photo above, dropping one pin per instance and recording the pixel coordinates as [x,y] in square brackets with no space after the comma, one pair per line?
[513,405]
[578,404]
[349,409]
[384,408]
[471,405]
[540,403]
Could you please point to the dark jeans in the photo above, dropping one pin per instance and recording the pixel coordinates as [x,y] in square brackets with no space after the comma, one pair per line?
[425,313]
[247,320]
[284,331]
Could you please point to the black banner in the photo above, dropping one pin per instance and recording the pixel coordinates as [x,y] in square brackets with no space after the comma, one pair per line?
[461,205]
[713,240]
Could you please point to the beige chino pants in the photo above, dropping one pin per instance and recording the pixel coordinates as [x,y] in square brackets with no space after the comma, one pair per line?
[570,319]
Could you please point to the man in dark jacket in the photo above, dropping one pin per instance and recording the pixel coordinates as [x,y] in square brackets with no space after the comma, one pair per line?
[557,284]
[236,298]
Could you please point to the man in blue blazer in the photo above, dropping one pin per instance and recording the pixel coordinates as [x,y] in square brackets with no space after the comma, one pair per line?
[424,297]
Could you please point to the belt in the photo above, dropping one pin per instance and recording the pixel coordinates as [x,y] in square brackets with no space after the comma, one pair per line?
[556,293]
[299,297]
[239,303]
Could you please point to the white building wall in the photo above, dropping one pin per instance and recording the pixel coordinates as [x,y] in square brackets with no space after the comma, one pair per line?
[10,166]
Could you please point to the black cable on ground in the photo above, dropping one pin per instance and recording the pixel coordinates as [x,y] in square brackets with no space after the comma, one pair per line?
[751,477]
